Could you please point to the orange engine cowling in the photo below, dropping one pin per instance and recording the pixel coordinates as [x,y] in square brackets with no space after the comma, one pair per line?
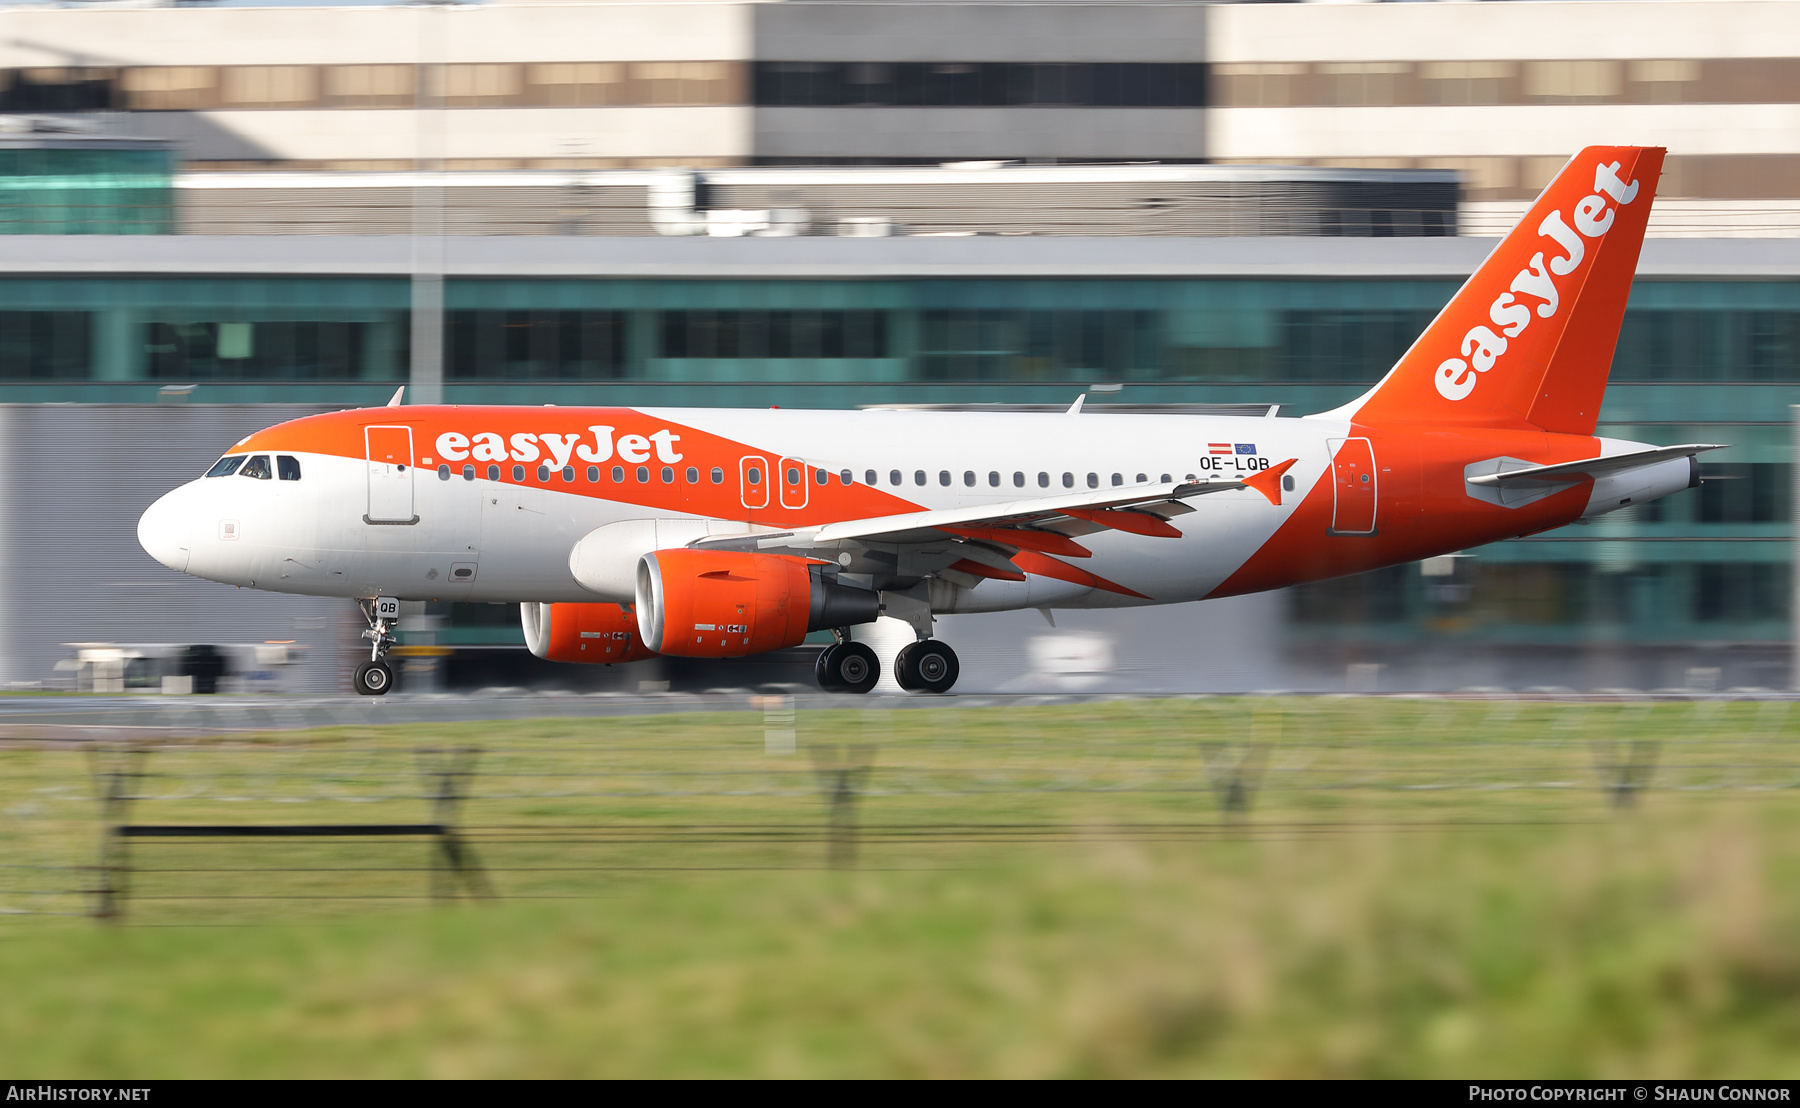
[726,604]
[597,633]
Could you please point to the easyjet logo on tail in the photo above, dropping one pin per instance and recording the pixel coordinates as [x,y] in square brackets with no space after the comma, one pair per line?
[1535,287]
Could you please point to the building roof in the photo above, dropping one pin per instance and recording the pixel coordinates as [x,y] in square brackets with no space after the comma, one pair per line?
[823,257]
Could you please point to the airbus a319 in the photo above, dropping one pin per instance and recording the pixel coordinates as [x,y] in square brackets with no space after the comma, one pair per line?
[625,533]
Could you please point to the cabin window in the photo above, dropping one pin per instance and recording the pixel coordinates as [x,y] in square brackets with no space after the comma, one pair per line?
[668,475]
[870,478]
[693,476]
[944,477]
[226,466]
[1043,480]
[568,474]
[894,477]
[918,477]
[821,477]
[518,473]
[444,471]
[793,476]
[643,475]
[1118,478]
[287,467]
[493,473]
[593,475]
[1018,480]
[618,475]
[993,478]
[1093,481]
[468,473]
[1143,479]
[753,475]
[257,467]
[543,473]
[1068,480]
[1166,478]
[1191,477]
[846,477]
[969,478]
[1287,483]
[718,476]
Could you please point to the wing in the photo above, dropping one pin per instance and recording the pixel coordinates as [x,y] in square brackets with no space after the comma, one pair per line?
[1005,541]
[1593,467]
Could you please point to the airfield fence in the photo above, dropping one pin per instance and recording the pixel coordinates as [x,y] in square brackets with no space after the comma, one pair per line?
[566,807]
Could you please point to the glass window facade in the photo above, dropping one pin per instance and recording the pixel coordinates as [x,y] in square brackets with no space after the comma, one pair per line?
[980,84]
[925,332]
[89,189]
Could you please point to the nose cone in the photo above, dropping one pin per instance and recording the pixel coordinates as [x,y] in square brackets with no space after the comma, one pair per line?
[163,532]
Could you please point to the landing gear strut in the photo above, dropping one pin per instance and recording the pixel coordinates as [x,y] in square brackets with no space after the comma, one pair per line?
[375,677]
[926,666]
[846,666]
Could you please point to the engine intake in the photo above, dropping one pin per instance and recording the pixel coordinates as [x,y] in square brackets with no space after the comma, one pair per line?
[726,604]
[598,634]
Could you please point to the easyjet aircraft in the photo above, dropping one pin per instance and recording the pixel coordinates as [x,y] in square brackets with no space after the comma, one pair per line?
[714,533]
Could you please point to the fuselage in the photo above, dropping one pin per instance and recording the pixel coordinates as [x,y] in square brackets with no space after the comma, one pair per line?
[457,503]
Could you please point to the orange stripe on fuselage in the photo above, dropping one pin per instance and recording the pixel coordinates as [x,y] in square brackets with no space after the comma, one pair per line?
[341,434]
[1423,507]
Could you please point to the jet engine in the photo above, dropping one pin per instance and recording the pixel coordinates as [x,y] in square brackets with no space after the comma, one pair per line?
[596,633]
[726,604]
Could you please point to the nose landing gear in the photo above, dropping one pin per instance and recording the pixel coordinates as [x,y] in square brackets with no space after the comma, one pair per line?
[375,677]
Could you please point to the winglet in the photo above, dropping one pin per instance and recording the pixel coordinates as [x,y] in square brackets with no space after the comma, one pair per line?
[1075,408]
[1268,482]
[398,393]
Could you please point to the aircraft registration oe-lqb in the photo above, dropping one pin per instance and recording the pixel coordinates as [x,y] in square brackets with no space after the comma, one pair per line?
[624,533]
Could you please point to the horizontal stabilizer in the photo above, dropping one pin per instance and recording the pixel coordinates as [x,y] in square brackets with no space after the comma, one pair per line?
[1593,467]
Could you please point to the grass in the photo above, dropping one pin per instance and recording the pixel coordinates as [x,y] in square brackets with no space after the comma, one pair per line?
[1413,889]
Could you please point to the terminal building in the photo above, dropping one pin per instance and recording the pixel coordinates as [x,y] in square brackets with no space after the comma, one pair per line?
[749,204]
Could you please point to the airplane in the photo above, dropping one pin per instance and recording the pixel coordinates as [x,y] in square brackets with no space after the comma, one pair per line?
[625,533]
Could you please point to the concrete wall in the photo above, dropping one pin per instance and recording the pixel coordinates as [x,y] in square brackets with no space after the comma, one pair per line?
[73,481]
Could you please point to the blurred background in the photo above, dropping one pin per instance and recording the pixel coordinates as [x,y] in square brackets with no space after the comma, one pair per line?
[223,216]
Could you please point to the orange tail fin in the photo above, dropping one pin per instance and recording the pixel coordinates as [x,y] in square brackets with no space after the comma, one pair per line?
[1528,340]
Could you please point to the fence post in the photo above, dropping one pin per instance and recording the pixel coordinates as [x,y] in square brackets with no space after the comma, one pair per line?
[841,771]
[114,774]
[447,772]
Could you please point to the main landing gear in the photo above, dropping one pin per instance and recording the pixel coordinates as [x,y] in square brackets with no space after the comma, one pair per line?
[924,666]
[846,666]
[375,677]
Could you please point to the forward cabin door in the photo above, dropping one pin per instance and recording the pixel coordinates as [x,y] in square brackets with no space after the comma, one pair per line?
[390,475]
[1353,487]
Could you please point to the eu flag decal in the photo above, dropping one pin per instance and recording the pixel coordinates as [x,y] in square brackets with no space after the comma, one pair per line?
[1246,448]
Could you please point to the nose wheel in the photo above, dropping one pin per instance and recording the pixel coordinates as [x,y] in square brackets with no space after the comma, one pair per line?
[847,667]
[375,677]
[926,666]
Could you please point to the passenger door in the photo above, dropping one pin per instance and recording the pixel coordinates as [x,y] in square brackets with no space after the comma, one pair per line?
[390,457]
[1353,487]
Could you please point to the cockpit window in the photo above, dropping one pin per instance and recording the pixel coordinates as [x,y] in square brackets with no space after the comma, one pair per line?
[257,467]
[287,467]
[226,466]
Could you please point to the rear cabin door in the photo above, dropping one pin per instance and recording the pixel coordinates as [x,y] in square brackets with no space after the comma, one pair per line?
[1353,487]
[390,475]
